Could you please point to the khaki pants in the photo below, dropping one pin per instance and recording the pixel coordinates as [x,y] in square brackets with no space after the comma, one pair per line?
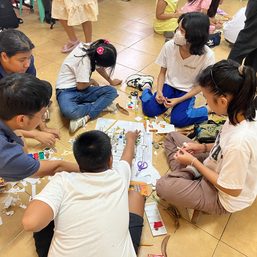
[180,188]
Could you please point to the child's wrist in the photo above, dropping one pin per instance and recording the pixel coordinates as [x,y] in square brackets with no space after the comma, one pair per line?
[204,148]
[192,161]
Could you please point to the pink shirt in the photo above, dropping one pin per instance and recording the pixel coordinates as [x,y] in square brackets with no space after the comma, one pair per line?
[196,6]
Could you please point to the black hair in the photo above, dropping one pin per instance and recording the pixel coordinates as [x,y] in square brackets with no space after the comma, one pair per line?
[225,77]
[196,26]
[213,8]
[211,12]
[92,151]
[14,41]
[101,53]
[23,94]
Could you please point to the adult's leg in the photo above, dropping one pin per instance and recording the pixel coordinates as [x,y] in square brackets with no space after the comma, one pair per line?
[185,114]
[136,214]
[43,239]
[150,106]
[87,28]
[246,42]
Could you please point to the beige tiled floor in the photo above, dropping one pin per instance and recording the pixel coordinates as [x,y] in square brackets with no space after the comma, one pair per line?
[129,26]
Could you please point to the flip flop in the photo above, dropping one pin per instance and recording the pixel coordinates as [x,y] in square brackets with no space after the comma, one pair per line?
[69,46]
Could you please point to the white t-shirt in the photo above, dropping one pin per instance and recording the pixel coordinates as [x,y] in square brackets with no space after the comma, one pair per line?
[232,28]
[74,69]
[91,213]
[181,73]
[234,157]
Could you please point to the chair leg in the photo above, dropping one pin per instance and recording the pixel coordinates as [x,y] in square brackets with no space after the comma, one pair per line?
[20,7]
[41,10]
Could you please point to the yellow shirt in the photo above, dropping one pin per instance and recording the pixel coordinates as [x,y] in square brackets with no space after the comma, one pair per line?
[167,25]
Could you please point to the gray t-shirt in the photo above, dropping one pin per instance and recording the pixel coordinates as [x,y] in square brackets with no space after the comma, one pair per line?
[15,164]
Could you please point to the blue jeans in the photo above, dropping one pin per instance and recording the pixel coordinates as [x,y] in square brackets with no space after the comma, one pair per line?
[91,101]
[182,114]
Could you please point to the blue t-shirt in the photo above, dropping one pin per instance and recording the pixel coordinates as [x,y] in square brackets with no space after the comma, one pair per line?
[31,69]
[15,164]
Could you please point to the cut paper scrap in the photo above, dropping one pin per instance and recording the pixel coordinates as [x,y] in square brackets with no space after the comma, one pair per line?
[154,219]
[160,127]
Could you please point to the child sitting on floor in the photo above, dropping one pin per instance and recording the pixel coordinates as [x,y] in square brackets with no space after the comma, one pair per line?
[81,98]
[181,59]
[16,56]
[166,20]
[221,177]
[93,211]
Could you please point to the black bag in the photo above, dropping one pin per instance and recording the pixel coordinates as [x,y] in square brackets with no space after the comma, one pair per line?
[206,132]
[8,18]
[214,39]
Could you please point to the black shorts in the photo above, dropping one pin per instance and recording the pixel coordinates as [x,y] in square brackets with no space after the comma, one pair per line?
[136,224]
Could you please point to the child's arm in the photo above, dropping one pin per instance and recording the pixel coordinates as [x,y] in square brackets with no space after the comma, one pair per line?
[183,157]
[129,149]
[49,168]
[174,101]
[103,73]
[37,216]
[160,82]
[160,8]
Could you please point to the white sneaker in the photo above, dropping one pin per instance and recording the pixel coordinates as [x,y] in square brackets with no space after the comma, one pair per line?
[76,124]
[132,80]
[138,81]
[110,108]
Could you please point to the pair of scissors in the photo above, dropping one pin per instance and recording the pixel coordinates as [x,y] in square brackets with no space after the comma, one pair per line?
[141,165]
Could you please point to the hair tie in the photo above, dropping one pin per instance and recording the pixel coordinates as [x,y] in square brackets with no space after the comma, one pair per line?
[241,68]
[100,50]
[106,41]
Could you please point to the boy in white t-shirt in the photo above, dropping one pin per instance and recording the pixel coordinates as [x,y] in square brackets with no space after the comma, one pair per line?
[181,60]
[92,210]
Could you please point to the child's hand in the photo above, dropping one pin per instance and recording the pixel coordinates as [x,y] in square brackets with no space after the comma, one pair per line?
[183,157]
[116,82]
[159,98]
[132,135]
[93,82]
[193,148]
[168,103]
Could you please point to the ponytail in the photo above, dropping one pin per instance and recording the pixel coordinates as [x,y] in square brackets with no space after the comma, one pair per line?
[227,77]
[101,53]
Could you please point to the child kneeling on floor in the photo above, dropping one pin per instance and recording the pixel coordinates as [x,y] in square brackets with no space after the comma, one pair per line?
[93,211]
[81,98]
[221,177]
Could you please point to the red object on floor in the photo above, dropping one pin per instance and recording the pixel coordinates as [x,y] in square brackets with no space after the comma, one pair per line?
[157,224]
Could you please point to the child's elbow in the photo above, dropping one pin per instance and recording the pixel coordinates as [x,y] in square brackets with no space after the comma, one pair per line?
[29,224]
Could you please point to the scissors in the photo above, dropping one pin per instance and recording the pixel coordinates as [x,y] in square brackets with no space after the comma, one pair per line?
[141,166]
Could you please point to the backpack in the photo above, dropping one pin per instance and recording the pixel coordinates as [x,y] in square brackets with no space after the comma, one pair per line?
[206,132]
[8,18]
